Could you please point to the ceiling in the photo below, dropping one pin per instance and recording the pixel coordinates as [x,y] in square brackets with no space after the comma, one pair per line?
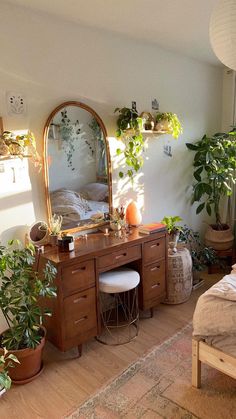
[176,25]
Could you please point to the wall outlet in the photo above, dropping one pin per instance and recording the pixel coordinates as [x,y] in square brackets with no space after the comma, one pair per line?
[16,103]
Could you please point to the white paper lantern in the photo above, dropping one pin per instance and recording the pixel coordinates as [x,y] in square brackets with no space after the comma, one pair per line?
[223,32]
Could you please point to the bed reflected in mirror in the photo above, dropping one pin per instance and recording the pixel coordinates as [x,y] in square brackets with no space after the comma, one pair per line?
[77,166]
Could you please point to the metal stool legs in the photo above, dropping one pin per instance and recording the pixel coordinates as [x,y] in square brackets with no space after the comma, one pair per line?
[120,317]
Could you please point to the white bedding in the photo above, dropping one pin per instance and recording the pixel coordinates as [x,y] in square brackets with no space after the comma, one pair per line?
[214,318]
[73,207]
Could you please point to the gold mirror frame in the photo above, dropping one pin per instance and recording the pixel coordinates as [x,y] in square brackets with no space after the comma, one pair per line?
[46,170]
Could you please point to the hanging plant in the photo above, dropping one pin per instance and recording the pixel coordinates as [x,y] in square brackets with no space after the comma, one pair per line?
[169,123]
[129,130]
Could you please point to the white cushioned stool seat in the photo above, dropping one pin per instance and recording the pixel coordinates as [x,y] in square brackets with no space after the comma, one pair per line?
[118,280]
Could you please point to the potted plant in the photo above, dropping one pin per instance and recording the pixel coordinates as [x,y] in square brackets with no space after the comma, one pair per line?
[173,230]
[214,173]
[169,123]
[21,288]
[55,228]
[202,256]
[23,145]
[129,130]
[6,361]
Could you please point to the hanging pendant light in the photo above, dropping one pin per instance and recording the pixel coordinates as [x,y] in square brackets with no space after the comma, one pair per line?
[223,32]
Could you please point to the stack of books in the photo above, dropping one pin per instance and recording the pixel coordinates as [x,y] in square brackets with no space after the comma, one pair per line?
[151,228]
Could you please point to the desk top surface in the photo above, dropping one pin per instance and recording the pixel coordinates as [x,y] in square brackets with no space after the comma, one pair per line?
[99,243]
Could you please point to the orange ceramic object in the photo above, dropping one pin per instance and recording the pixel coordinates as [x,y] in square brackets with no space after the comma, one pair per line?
[133,214]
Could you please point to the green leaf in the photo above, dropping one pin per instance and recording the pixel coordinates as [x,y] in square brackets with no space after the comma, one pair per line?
[200,208]
[118,151]
[121,175]
[197,174]
[191,146]
[208,208]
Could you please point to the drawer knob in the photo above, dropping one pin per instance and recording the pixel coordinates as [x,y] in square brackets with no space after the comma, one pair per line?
[78,270]
[156,285]
[77,300]
[155,268]
[81,320]
[121,256]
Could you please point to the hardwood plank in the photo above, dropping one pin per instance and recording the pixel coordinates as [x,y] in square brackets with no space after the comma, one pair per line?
[67,380]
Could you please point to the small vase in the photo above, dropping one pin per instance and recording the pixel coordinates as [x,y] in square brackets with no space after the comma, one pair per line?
[133,214]
[173,240]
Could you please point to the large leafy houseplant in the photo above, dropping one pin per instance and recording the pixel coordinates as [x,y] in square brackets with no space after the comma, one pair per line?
[19,293]
[21,288]
[129,130]
[214,172]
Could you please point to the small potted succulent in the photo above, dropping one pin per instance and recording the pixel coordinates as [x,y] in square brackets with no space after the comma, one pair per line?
[6,361]
[173,230]
[21,288]
[168,123]
[55,228]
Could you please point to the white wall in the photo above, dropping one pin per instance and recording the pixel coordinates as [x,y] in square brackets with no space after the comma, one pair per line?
[51,61]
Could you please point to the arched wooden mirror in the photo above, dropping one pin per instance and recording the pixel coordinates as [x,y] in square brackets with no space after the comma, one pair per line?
[77,166]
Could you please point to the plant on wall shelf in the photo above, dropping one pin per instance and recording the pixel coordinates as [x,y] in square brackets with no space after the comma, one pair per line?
[129,130]
[23,145]
[214,172]
[169,123]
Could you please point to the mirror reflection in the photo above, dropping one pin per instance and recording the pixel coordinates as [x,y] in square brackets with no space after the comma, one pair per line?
[78,183]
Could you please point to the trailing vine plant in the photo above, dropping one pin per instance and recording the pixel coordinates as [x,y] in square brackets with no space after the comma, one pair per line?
[170,123]
[129,130]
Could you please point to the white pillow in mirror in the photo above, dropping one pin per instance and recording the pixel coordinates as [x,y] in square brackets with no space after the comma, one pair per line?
[95,191]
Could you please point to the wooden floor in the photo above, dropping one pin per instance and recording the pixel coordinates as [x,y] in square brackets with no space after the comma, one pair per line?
[66,382]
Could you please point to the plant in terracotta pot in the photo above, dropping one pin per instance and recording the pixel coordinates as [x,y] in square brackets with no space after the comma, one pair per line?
[173,230]
[129,130]
[169,123]
[214,174]
[6,361]
[21,288]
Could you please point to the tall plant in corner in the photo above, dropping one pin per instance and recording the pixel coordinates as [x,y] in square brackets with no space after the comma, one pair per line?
[214,172]
[129,130]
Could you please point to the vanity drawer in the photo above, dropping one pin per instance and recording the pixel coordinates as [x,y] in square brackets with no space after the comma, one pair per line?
[154,284]
[80,313]
[78,277]
[112,260]
[154,250]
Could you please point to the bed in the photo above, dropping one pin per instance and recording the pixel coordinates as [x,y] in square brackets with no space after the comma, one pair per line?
[214,329]
[75,206]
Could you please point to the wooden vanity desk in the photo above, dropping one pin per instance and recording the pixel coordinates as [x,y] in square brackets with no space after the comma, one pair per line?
[76,315]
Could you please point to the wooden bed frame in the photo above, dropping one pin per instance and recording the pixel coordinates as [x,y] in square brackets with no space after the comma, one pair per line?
[201,352]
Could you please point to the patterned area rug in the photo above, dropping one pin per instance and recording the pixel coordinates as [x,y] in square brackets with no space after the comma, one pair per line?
[158,385]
